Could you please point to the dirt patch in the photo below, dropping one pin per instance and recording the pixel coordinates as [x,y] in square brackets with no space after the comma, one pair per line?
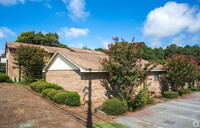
[18,105]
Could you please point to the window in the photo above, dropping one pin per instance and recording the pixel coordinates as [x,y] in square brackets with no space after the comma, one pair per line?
[155,76]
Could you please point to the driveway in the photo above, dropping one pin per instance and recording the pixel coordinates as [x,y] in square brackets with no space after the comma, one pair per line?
[179,113]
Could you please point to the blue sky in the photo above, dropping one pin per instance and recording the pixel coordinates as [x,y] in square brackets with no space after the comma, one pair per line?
[93,23]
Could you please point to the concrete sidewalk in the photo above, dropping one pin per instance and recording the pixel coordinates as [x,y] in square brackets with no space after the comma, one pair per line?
[180,113]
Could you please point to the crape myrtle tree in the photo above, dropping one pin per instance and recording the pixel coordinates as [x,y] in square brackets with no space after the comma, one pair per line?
[30,60]
[127,73]
[181,70]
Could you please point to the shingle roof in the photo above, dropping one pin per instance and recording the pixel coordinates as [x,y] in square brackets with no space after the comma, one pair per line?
[86,59]
[159,67]
[46,48]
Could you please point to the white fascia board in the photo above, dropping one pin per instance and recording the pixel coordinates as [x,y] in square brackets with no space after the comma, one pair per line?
[157,70]
[86,71]
[81,69]
[44,69]
[52,58]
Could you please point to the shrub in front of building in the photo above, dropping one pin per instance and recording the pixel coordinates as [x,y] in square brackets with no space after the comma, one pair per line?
[73,99]
[60,97]
[40,86]
[171,94]
[4,78]
[184,91]
[195,89]
[114,107]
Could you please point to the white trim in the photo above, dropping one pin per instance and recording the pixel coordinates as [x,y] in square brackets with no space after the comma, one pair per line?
[81,69]
[157,70]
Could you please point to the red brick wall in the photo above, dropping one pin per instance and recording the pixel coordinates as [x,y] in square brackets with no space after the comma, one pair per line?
[74,80]
[9,65]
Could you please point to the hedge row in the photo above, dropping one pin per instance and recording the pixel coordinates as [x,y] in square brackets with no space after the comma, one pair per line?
[40,86]
[171,94]
[56,93]
[195,88]
[4,78]
[184,91]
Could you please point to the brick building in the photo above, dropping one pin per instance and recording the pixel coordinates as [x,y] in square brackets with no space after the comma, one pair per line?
[78,70]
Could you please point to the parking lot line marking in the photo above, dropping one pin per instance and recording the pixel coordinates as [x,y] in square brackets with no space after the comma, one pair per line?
[147,123]
[179,108]
[186,118]
[185,103]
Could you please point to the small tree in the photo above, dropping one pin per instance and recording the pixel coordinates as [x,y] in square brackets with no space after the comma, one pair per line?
[125,68]
[181,70]
[30,60]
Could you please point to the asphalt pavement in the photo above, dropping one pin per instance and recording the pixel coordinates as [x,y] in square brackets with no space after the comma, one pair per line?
[179,113]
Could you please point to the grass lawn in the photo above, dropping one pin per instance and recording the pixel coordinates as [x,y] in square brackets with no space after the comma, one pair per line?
[108,125]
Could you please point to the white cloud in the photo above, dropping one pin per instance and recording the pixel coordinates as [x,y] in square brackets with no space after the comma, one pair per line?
[6,32]
[72,32]
[170,20]
[76,9]
[155,43]
[10,2]
[179,40]
[76,45]
[14,2]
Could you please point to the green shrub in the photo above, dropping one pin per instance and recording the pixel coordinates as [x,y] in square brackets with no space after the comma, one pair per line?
[73,99]
[171,94]
[149,100]
[43,79]
[37,86]
[4,77]
[44,93]
[194,88]
[52,93]
[184,91]
[40,86]
[54,86]
[114,107]
[198,88]
[60,97]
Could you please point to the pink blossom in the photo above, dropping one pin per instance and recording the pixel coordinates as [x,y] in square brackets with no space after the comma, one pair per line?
[126,91]
[142,45]
[110,73]
[132,88]
[132,98]
[150,79]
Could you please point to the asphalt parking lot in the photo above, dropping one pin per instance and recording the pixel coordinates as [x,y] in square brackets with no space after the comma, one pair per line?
[179,113]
